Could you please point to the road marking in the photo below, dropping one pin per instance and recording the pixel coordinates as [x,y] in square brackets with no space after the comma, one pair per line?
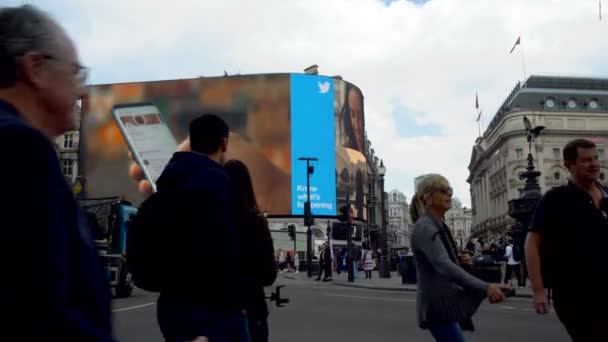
[407,300]
[366,297]
[514,308]
[133,307]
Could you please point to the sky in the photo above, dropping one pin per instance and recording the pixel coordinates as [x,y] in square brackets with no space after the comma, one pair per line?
[419,63]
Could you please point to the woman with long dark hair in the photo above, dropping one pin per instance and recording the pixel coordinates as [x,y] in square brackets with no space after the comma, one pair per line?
[256,250]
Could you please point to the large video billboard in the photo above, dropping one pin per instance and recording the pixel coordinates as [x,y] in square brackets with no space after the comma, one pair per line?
[274,120]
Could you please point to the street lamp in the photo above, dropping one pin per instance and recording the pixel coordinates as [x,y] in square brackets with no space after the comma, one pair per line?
[308,218]
[384,266]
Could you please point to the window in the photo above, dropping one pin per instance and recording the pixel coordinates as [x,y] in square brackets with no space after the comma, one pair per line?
[601,153]
[68,140]
[602,176]
[394,197]
[556,175]
[67,167]
[519,153]
[556,154]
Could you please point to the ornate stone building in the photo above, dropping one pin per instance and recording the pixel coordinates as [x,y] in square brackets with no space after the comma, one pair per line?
[569,108]
[67,146]
[373,230]
[399,221]
[459,218]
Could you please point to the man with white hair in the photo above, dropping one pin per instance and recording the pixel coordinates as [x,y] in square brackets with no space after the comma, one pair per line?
[55,287]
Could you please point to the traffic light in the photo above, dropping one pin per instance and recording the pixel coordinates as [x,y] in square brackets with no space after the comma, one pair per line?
[344,214]
[292,232]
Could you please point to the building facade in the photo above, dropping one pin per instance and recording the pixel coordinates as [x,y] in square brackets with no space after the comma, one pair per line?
[459,219]
[568,108]
[399,221]
[375,217]
[67,146]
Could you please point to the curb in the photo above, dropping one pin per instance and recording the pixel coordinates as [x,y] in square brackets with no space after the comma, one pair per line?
[403,289]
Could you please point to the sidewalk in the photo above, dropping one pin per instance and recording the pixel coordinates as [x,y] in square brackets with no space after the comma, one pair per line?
[377,283]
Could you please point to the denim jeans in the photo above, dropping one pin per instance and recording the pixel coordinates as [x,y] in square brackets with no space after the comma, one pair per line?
[447,332]
[356,269]
[179,324]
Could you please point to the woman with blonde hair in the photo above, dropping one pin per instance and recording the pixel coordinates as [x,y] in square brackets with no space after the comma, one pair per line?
[447,295]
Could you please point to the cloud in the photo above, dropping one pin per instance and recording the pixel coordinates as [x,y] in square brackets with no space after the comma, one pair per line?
[432,58]
[412,124]
[417,2]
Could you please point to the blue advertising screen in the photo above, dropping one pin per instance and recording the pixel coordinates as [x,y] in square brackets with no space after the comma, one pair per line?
[313,135]
[274,120]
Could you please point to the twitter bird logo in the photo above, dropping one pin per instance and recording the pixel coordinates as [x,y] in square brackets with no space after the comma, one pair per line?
[323,87]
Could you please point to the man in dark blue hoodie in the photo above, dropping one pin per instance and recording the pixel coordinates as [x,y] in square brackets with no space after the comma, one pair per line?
[202,294]
[54,287]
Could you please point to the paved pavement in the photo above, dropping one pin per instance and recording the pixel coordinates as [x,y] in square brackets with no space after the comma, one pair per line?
[322,312]
[393,283]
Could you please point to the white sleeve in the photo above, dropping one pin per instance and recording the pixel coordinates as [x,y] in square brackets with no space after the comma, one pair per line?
[508,251]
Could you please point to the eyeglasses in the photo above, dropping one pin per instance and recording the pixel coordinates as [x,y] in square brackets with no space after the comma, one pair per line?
[447,191]
[80,72]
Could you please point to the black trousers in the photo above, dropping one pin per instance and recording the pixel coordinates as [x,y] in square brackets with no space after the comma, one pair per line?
[585,319]
[258,330]
[327,270]
[321,269]
[509,274]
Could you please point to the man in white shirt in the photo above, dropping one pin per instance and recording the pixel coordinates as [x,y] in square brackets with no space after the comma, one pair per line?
[512,266]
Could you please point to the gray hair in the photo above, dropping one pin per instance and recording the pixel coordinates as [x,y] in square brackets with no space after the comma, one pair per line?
[23,29]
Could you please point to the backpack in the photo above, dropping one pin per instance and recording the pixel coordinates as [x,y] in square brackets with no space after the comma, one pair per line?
[146,236]
[518,252]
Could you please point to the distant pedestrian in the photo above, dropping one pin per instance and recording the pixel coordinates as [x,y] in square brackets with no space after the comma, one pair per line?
[289,262]
[327,263]
[513,266]
[356,251]
[296,262]
[281,260]
[395,261]
[566,247]
[447,296]
[471,247]
[322,261]
[339,261]
[368,263]
[54,285]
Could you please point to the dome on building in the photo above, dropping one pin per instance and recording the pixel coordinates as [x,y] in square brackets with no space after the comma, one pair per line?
[456,203]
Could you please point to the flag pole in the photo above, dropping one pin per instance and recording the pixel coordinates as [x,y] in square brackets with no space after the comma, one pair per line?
[523,60]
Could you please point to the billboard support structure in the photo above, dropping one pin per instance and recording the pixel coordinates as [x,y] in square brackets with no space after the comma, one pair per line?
[308,218]
[349,242]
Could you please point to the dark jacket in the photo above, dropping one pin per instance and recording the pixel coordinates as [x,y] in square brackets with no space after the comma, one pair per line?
[202,244]
[54,286]
[257,256]
[327,256]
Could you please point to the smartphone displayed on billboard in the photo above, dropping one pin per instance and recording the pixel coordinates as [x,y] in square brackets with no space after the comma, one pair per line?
[148,137]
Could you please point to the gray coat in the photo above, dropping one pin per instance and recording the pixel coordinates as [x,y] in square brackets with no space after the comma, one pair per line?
[445,291]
